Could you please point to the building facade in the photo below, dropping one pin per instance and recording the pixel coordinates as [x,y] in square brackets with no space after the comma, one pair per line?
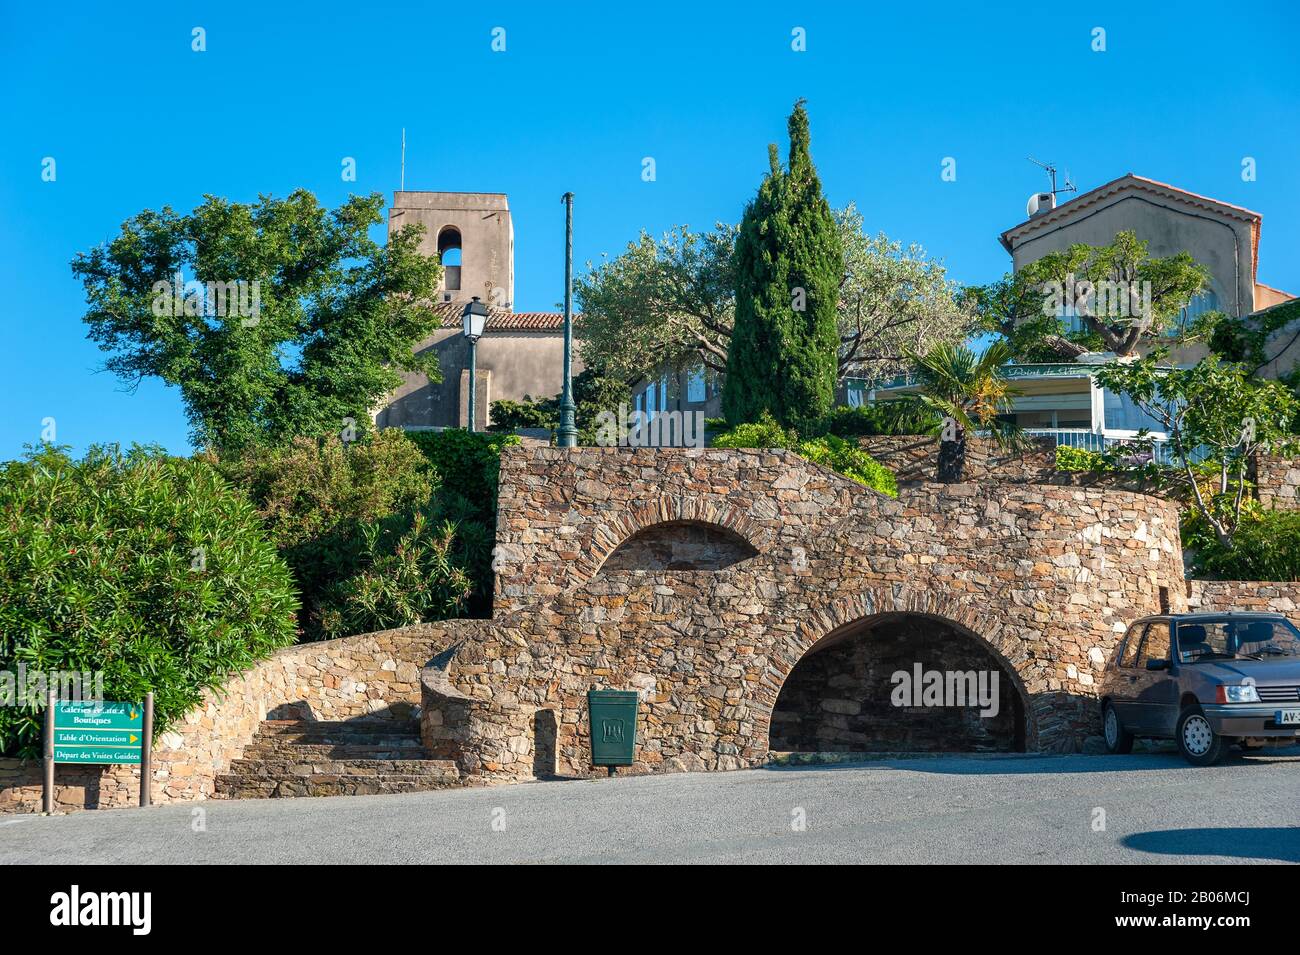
[520,354]
[1061,400]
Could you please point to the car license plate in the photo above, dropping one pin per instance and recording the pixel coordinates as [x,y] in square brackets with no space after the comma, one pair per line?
[1287,717]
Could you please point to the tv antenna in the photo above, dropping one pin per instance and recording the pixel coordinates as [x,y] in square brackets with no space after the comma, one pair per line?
[403,186]
[1050,169]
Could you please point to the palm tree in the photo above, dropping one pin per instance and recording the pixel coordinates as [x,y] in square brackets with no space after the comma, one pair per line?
[969,392]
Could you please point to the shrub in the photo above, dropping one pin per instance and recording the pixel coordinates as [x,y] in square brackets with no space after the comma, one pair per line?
[881,417]
[850,460]
[148,568]
[764,433]
[466,463]
[1265,546]
[1079,459]
[829,451]
[355,521]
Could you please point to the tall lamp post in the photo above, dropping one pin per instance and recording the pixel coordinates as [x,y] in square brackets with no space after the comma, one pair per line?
[568,431]
[474,318]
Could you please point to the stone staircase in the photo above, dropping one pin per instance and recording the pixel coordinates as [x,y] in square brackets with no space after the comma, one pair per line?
[346,758]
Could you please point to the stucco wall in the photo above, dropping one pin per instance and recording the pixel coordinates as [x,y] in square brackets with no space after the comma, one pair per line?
[1046,577]
[509,365]
[374,674]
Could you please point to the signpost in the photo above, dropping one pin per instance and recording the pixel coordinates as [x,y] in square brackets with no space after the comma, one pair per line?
[98,731]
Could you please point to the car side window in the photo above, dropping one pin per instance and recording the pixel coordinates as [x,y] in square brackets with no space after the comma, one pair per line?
[1129,657]
[1155,645]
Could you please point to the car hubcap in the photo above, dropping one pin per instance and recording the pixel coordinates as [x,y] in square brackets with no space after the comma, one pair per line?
[1197,735]
[1112,727]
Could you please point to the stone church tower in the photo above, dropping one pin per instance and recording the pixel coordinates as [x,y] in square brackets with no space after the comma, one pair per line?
[473,236]
[520,354]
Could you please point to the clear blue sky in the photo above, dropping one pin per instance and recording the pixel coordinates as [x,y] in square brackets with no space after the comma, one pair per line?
[137,120]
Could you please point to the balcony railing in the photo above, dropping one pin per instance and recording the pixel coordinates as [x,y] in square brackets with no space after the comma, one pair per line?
[1040,370]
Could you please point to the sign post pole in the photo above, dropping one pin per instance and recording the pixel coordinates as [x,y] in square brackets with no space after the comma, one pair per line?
[146,753]
[48,794]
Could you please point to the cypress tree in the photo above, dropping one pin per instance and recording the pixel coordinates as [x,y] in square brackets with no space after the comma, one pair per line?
[789,263]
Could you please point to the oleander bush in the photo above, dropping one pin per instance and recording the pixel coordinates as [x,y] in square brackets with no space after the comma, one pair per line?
[150,569]
[377,536]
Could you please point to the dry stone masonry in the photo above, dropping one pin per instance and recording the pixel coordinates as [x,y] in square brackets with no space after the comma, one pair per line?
[753,600]
[701,578]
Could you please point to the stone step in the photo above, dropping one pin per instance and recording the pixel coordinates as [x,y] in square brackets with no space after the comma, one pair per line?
[338,729]
[273,748]
[295,766]
[278,785]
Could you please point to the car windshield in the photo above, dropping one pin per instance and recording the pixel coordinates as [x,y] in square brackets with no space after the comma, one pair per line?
[1257,639]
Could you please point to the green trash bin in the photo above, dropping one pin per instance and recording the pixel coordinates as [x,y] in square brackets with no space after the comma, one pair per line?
[613,727]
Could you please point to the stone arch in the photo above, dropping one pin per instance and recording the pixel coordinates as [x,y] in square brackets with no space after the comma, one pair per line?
[618,528]
[680,545]
[872,606]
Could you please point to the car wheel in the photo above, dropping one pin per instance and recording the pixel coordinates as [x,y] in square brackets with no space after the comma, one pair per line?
[1197,741]
[1118,739]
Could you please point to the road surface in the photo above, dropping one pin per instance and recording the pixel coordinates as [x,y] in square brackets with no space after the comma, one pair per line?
[1018,809]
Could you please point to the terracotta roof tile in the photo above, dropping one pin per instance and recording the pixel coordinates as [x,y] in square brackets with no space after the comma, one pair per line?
[501,319]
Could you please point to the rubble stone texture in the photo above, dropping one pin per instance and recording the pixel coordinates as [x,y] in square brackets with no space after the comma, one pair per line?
[1043,579]
[700,579]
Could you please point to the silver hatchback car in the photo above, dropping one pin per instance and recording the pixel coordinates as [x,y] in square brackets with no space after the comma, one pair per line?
[1206,680]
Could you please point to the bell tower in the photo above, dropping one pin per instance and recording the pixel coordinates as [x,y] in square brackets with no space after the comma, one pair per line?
[473,237]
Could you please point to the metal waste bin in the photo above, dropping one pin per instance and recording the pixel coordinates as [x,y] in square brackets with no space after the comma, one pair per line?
[613,727]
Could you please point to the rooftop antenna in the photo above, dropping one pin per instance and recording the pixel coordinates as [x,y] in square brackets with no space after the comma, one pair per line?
[403,187]
[1051,172]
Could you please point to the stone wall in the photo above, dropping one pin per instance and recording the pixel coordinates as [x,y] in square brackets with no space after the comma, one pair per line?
[915,458]
[1221,595]
[374,674]
[1046,578]
[1277,482]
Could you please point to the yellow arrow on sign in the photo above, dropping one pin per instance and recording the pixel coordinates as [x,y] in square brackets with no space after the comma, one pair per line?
[134,713]
[134,738]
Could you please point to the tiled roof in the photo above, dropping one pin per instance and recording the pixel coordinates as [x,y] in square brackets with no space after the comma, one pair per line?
[501,319]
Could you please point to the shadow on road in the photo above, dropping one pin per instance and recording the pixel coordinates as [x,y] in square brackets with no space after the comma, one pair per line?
[1281,843]
[1026,764]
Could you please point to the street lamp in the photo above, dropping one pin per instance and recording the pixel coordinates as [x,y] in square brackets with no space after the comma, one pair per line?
[473,318]
[567,434]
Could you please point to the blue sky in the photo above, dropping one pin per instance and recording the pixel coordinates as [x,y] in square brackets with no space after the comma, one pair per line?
[135,119]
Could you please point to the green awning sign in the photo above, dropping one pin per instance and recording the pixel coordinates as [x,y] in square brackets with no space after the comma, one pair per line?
[89,731]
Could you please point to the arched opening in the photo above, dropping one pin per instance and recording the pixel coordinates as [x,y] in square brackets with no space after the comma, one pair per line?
[899,682]
[449,256]
[680,545]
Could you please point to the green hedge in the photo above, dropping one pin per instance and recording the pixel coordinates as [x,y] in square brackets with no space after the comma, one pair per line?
[148,568]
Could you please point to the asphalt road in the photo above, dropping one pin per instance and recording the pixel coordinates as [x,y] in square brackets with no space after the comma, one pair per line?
[1026,809]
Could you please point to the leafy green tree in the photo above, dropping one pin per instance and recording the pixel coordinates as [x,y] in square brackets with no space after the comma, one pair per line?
[667,300]
[1012,307]
[148,569]
[969,392]
[1124,297]
[783,352]
[672,301]
[287,318]
[1214,413]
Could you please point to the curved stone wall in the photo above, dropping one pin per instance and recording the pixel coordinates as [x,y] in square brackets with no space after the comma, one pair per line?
[1046,577]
